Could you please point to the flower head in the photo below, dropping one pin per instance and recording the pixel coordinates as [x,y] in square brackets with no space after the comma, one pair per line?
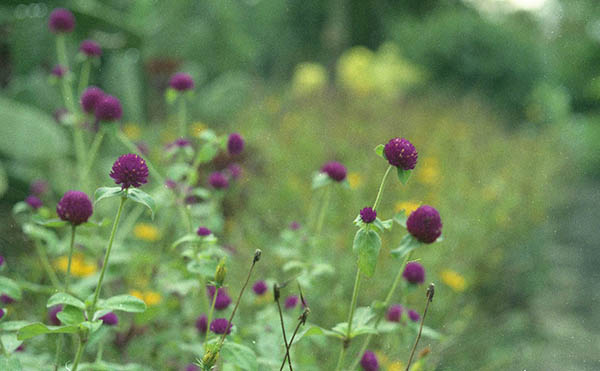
[414,273]
[222,301]
[90,98]
[235,144]
[130,170]
[203,231]
[108,109]
[335,170]
[5,299]
[1,260]
[90,48]
[401,153]
[1,313]
[58,71]
[454,279]
[220,326]
[181,82]
[235,171]
[170,184]
[52,312]
[394,313]
[38,187]
[110,319]
[260,287]
[218,181]
[34,202]
[291,302]
[146,232]
[294,226]
[192,367]
[369,361]
[61,21]
[368,215]
[202,324]
[414,316]
[74,207]
[425,224]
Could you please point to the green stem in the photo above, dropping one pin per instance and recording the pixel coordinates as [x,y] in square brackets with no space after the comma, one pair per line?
[182,117]
[109,248]
[44,258]
[78,354]
[378,198]
[68,276]
[133,148]
[324,206]
[85,75]
[100,352]
[94,148]
[346,341]
[210,314]
[59,344]
[285,342]
[4,351]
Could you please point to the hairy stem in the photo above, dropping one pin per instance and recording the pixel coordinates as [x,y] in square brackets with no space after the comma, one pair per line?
[79,353]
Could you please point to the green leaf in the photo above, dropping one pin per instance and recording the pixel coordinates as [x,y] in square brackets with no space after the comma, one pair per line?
[108,192]
[143,198]
[170,95]
[103,223]
[10,288]
[10,341]
[204,267]
[125,303]
[316,331]
[366,246]
[13,325]
[401,218]
[66,299]
[403,175]
[52,223]
[207,153]
[20,207]
[10,364]
[239,355]
[407,244]
[91,326]
[427,331]
[383,224]
[320,180]
[379,150]
[36,329]
[38,233]
[192,237]
[70,315]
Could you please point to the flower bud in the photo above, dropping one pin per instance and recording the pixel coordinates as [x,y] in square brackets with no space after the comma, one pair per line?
[220,273]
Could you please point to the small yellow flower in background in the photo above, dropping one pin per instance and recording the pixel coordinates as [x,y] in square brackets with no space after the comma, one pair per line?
[137,293]
[355,180]
[353,70]
[197,128]
[454,280]
[407,206]
[79,267]
[265,299]
[169,134]
[382,358]
[429,172]
[146,232]
[309,78]
[149,297]
[396,366]
[132,131]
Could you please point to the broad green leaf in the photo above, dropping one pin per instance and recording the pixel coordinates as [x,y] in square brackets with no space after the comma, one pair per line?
[38,233]
[10,363]
[403,175]
[239,355]
[100,313]
[52,223]
[125,303]
[66,299]
[407,244]
[401,218]
[204,267]
[320,180]
[10,341]
[427,331]
[108,192]
[13,325]
[207,153]
[36,329]
[103,223]
[70,315]
[91,326]
[379,150]
[293,264]
[10,288]
[316,331]
[178,171]
[192,237]
[383,224]
[141,197]
[20,207]
[366,246]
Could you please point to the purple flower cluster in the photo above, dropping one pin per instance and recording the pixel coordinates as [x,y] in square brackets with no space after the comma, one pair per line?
[34,202]
[38,187]
[220,326]
[291,302]
[401,153]
[181,82]
[192,367]
[414,316]
[368,215]
[394,313]
[1,260]
[1,313]
[425,224]
[5,299]
[414,273]
[58,71]
[130,170]
[260,287]
[202,324]
[222,301]
[74,207]
[235,144]
[294,226]
[52,312]
[61,21]
[108,109]
[369,361]
[203,231]
[235,171]
[217,180]
[90,98]
[90,48]
[334,170]
[110,319]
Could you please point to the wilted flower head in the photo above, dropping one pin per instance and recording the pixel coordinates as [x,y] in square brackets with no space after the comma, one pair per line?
[203,231]
[260,287]
[74,207]
[181,82]
[425,224]
[414,273]
[369,361]
[108,109]
[291,302]
[414,316]
[401,153]
[394,313]
[202,324]
[58,71]
[220,326]
[38,187]
[90,98]
[5,299]
[52,312]
[223,300]
[235,144]
[218,180]
[110,319]
[130,170]
[34,202]
[235,171]
[335,170]
[368,215]
[90,48]
[61,20]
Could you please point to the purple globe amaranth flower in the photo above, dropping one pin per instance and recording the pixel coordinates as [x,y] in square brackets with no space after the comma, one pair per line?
[5,299]
[34,202]
[110,319]
[369,361]
[235,171]
[130,170]
[425,224]
[401,153]
[220,326]
[218,181]
[414,316]
[202,324]
[394,313]
[192,367]
[181,81]
[1,260]
[90,98]
[414,273]
[260,287]
[291,302]
[61,21]
[52,312]
[20,348]
[368,215]
[1,313]
[90,48]
[170,184]
[38,187]
[335,170]
[58,71]
[222,301]
[108,109]
[75,207]
[294,226]
[235,144]
[203,231]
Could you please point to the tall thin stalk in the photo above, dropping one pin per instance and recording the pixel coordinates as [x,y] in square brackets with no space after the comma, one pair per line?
[430,292]
[71,248]
[301,321]
[276,295]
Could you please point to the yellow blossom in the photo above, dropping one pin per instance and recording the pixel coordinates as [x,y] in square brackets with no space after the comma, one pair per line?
[146,232]
[132,131]
[197,128]
[149,297]
[79,267]
[429,172]
[353,70]
[382,358]
[454,280]
[407,206]
[355,180]
[309,78]
[396,366]
[137,293]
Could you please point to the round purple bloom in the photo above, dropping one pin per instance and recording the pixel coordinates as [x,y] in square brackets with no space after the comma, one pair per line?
[414,316]
[108,108]
[218,180]
[202,324]
[235,144]
[1,260]
[414,273]
[52,312]
[34,202]
[203,231]
[223,300]
[394,313]
[38,187]
[20,348]
[110,319]
[90,98]
[235,171]
[368,215]
[181,82]
[220,326]
[294,226]
[1,313]
[58,71]
[74,207]
[192,367]
[401,153]
[90,48]
[5,299]
[61,20]
[170,184]
[291,302]
[260,287]
[130,170]
[335,170]
[425,224]
[369,361]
